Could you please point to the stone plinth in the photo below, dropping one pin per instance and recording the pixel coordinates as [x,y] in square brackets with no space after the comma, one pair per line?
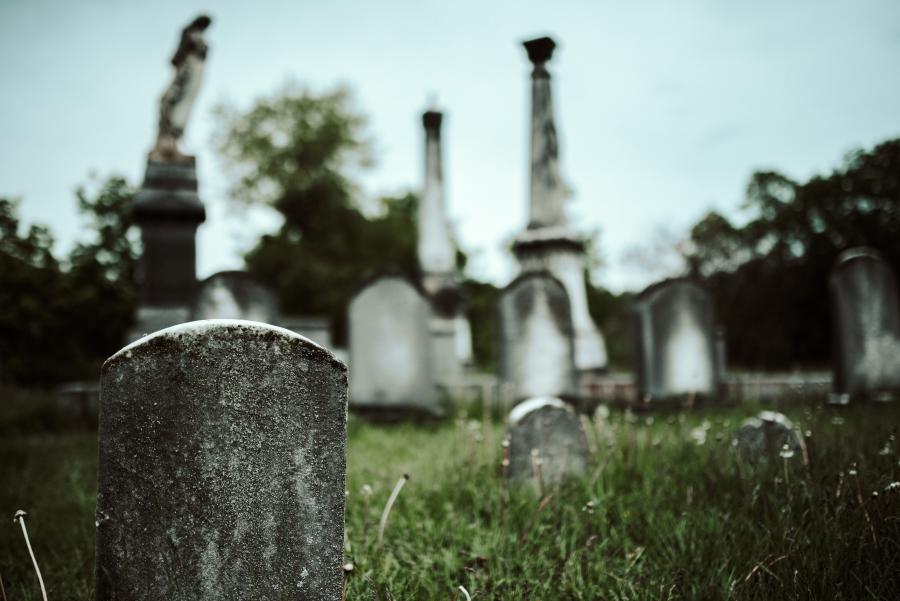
[168,211]
[561,253]
[221,466]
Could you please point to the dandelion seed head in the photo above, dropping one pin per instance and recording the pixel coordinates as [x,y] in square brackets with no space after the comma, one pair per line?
[786,452]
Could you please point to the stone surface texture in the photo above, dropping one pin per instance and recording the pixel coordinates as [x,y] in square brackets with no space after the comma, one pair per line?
[391,348]
[676,341]
[222,466]
[866,312]
[547,443]
[535,345]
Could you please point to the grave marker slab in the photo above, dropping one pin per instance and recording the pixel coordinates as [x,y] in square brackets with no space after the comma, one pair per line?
[536,338]
[222,466]
[547,443]
[866,316]
[235,295]
[770,436]
[677,350]
[391,349]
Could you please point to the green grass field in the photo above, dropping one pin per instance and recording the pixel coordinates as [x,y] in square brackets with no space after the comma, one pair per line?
[660,516]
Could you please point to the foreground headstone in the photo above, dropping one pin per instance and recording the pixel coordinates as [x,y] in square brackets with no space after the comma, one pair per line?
[235,295]
[222,466]
[391,350]
[866,316]
[536,338]
[770,436]
[676,342]
[547,443]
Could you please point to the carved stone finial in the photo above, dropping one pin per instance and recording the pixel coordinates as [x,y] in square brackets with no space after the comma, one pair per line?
[432,120]
[540,49]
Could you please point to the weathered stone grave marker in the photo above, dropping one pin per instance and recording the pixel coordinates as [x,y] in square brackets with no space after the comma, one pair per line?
[866,317]
[770,436]
[222,466]
[536,338]
[677,353]
[235,295]
[547,443]
[390,350]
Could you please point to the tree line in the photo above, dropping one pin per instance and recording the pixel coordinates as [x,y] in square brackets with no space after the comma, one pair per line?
[299,153]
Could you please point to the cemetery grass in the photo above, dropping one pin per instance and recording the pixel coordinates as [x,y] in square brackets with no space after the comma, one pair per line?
[667,512]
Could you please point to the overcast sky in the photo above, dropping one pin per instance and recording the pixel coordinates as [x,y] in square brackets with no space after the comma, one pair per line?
[664,108]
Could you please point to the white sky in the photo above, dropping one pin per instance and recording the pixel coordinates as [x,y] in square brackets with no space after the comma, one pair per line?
[664,108]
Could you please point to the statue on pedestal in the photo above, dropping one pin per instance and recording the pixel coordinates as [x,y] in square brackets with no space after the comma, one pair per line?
[178,99]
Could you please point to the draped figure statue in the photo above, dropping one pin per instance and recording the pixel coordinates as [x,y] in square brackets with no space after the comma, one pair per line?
[178,99]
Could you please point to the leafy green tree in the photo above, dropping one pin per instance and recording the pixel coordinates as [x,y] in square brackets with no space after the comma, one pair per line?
[32,348]
[298,152]
[770,276]
[100,282]
[59,321]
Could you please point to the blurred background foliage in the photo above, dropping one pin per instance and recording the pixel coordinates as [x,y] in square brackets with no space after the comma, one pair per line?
[300,153]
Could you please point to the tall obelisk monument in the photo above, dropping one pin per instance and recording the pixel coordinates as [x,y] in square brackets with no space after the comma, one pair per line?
[449,329]
[549,243]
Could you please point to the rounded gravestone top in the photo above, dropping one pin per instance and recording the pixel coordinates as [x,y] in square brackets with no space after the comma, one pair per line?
[525,408]
[185,335]
[767,435]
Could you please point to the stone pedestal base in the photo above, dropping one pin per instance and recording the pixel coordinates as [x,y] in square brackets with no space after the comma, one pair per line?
[561,252]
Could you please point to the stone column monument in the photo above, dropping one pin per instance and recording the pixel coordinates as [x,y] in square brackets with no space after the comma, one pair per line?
[449,329]
[436,249]
[549,243]
[167,208]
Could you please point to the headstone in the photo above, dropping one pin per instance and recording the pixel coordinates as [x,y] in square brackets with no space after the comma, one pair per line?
[536,349]
[222,466]
[770,436]
[313,327]
[866,317]
[547,443]
[677,351]
[463,338]
[391,350]
[549,243]
[235,295]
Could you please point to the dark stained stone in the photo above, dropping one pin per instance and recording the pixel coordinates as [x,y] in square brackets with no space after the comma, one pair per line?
[222,466]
